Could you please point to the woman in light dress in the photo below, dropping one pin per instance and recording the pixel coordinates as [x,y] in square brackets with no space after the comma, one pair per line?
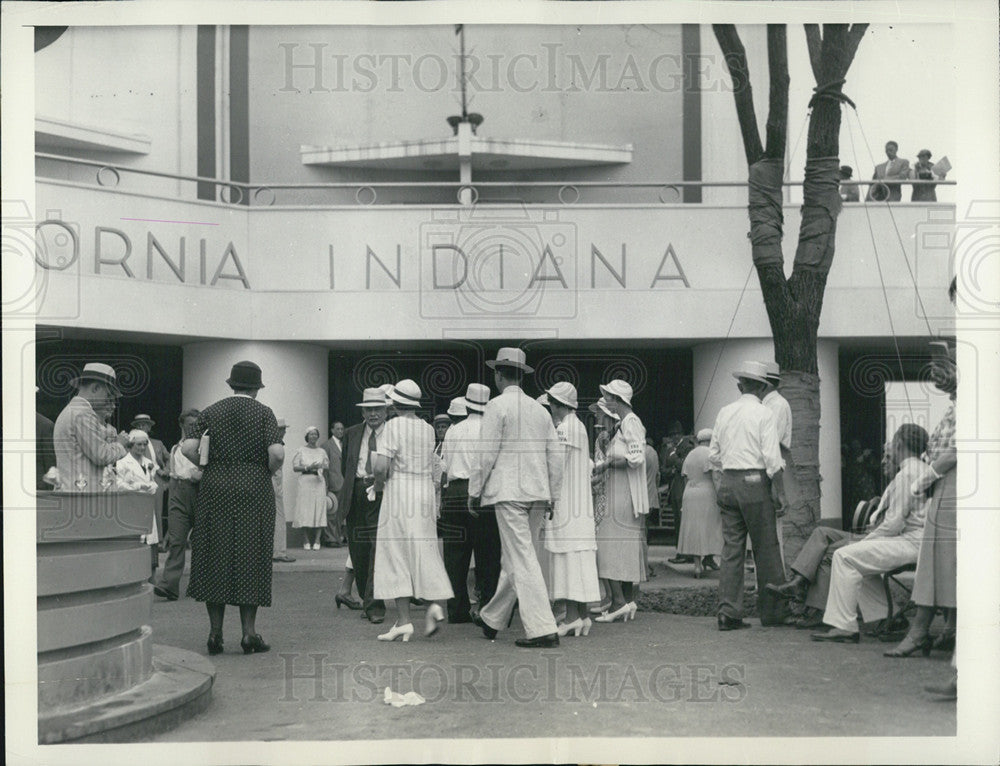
[408,561]
[701,522]
[569,533]
[620,533]
[311,502]
[134,473]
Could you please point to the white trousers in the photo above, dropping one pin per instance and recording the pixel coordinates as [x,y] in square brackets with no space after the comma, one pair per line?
[855,579]
[521,578]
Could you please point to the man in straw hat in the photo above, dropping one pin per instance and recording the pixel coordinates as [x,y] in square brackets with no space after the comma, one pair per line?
[746,453]
[360,514]
[519,474]
[466,531]
[79,434]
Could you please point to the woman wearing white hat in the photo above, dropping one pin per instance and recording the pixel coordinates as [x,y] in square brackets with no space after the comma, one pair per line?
[619,536]
[408,562]
[569,533]
[311,501]
[700,534]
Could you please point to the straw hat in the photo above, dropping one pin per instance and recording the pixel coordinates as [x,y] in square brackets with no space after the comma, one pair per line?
[282,423]
[372,397]
[457,408]
[510,357]
[143,418]
[773,373]
[705,435]
[406,392]
[752,370]
[442,418]
[476,397]
[619,388]
[102,373]
[542,399]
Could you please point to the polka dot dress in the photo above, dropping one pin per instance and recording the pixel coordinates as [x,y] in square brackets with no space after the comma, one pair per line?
[233,536]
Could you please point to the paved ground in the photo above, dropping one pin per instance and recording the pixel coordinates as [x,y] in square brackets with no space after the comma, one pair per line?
[661,675]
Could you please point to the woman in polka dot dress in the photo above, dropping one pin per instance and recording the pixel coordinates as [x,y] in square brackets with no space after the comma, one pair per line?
[233,536]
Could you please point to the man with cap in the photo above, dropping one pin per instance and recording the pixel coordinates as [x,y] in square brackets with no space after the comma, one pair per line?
[467,531]
[79,433]
[333,535]
[360,515]
[280,552]
[746,455]
[519,473]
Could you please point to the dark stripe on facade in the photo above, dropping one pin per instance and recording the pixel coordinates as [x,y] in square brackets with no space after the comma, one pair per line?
[691,108]
[239,105]
[206,110]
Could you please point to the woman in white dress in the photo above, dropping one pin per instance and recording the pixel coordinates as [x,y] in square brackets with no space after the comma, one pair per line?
[408,562]
[569,534]
[700,536]
[135,473]
[620,533]
[311,464]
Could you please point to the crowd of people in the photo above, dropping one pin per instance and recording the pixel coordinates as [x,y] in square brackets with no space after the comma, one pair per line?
[509,485]
[897,169]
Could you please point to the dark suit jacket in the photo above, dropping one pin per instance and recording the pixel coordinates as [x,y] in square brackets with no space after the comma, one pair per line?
[348,465]
[335,476]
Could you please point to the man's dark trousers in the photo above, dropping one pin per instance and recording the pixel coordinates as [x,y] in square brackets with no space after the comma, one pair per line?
[744,499]
[362,528]
[180,520]
[456,530]
[486,546]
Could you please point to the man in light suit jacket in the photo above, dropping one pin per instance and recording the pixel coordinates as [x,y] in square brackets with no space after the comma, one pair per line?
[520,475]
[893,167]
[360,515]
[333,447]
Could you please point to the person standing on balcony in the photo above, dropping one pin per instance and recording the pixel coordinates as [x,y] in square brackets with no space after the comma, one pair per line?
[893,168]
[923,170]
[79,434]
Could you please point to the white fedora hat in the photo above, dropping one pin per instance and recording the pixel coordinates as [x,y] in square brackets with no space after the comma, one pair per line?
[372,397]
[406,392]
[103,373]
[457,407]
[752,370]
[542,399]
[510,357]
[705,435]
[564,392]
[773,374]
[619,388]
[602,406]
[476,396]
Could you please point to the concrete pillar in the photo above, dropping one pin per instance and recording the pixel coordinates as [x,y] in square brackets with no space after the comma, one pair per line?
[296,387]
[712,392]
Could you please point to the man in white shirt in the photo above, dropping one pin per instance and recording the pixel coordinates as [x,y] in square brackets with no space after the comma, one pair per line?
[519,474]
[183,494]
[747,465]
[466,531]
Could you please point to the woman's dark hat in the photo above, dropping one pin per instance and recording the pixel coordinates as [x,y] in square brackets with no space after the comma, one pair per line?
[245,375]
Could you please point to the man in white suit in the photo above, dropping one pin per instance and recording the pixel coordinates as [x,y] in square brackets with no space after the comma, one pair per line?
[520,475]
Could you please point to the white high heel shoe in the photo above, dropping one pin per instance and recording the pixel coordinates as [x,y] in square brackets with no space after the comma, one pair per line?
[434,617]
[632,609]
[396,631]
[622,612]
[585,628]
[574,627]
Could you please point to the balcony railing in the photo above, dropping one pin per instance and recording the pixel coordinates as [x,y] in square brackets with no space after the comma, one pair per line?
[365,194]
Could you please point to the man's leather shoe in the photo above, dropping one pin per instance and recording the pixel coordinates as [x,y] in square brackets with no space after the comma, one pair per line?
[541,642]
[163,593]
[376,619]
[731,623]
[794,589]
[489,632]
[837,636]
[810,621]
